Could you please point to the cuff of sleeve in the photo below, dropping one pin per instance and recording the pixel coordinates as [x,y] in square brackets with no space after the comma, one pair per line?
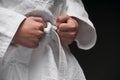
[86,37]
[7,33]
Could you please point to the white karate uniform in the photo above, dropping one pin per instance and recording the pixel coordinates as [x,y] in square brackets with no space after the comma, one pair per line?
[51,60]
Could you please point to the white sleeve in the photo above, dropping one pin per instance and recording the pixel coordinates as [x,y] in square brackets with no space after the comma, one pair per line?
[9,23]
[86,37]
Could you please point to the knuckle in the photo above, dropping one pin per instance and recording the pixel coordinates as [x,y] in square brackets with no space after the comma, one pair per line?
[34,45]
[31,17]
[40,33]
[59,18]
[73,26]
[40,18]
[66,42]
[73,34]
[42,25]
[37,41]
[60,34]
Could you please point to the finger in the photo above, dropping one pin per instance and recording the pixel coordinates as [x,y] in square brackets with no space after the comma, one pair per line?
[63,18]
[40,26]
[73,22]
[38,19]
[66,41]
[32,45]
[65,27]
[34,39]
[45,24]
[39,34]
[57,24]
[70,26]
[34,42]
[69,35]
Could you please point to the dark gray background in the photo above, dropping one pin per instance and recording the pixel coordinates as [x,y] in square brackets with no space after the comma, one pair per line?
[102,61]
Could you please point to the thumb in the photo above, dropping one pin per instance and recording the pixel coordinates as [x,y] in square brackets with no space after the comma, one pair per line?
[57,24]
[63,18]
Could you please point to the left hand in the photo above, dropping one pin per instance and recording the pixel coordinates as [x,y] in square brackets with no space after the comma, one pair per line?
[67,29]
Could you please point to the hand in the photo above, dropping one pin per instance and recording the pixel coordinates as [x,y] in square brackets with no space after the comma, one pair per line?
[67,29]
[30,31]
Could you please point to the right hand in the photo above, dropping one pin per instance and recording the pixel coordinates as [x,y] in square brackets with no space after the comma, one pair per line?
[29,32]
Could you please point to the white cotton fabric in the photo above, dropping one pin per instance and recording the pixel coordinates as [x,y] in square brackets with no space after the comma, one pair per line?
[51,60]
